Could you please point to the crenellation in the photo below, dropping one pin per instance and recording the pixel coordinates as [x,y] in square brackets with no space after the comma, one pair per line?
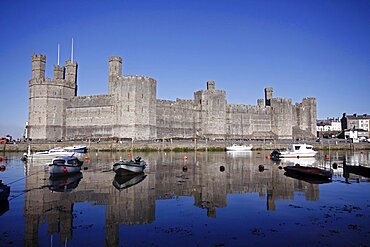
[131,110]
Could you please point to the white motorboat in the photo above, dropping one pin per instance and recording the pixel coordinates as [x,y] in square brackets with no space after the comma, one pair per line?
[48,155]
[129,166]
[294,151]
[239,148]
[65,165]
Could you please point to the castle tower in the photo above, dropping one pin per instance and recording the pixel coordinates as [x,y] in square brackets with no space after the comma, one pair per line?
[282,117]
[38,66]
[47,99]
[115,71]
[210,119]
[268,96]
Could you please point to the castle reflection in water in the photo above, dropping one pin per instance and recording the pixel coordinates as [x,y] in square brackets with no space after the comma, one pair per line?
[207,177]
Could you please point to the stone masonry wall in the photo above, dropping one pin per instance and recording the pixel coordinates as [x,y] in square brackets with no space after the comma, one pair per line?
[89,116]
[131,110]
[175,119]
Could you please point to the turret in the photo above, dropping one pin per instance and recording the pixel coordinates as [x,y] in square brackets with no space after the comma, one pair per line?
[71,73]
[38,66]
[268,96]
[115,70]
[210,85]
[260,102]
[59,72]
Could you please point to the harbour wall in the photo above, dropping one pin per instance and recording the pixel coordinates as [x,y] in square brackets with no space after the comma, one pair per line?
[175,145]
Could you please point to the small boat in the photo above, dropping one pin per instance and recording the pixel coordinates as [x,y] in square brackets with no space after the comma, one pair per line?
[239,148]
[65,165]
[121,182]
[309,171]
[129,166]
[65,183]
[48,155]
[294,151]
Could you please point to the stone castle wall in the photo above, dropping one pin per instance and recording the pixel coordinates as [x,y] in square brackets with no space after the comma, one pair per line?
[89,116]
[131,110]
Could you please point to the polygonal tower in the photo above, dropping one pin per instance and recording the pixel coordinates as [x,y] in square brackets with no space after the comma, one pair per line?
[47,97]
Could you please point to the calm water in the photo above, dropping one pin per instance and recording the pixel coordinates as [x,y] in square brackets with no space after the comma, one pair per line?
[208,199]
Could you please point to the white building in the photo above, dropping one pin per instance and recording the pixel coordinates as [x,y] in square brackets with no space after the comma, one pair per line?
[329,124]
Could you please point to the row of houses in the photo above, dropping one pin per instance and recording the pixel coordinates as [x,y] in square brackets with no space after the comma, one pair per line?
[348,127]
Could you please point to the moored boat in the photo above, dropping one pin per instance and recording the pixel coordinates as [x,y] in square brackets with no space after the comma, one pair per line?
[294,151]
[239,148]
[309,171]
[48,155]
[129,166]
[65,165]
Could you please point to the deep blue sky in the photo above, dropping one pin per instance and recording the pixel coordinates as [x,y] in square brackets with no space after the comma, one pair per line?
[301,48]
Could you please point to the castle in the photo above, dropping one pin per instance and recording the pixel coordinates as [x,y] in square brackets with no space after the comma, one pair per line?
[131,110]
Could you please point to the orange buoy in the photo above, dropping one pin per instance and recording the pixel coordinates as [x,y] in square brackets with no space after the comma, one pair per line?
[267,157]
[1,158]
[128,154]
[258,152]
[327,156]
[87,158]
[185,157]
[2,168]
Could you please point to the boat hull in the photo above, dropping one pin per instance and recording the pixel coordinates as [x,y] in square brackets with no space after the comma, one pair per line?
[128,167]
[48,156]
[309,171]
[239,148]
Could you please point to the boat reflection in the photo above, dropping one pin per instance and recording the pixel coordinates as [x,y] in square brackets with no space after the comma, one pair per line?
[4,194]
[65,183]
[308,179]
[301,161]
[235,154]
[122,182]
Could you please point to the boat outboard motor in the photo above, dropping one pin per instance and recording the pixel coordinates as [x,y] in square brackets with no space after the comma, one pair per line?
[275,155]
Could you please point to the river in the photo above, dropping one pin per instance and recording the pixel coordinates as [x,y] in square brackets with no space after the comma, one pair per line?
[186,199]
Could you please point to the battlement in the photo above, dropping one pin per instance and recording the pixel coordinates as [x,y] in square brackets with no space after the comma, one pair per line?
[89,101]
[137,78]
[281,100]
[248,109]
[39,57]
[115,58]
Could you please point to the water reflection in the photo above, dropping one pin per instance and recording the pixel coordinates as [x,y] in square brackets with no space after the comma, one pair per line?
[64,183]
[203,179]
[4,194]
[122,182]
